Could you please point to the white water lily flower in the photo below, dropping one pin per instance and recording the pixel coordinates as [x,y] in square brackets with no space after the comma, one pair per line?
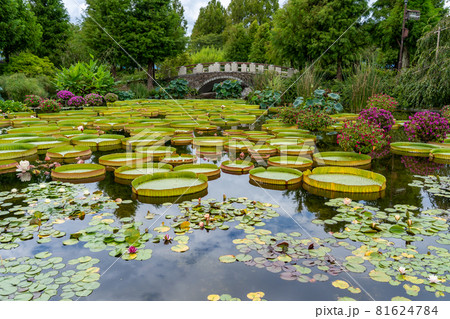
[24,176]
[42,185]
[86,192]
[14,190]
[80,128]
[23,166]
[62,190]
[402,270]
[433,279]
[48,201]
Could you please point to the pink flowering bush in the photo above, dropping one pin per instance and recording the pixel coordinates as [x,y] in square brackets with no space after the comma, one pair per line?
[362,137]
[65,95]
[446,112]
[76,101]
[426,127]
[49,106]
[32,101]
[421,165]
[383,118]
[382,101]
[93,99]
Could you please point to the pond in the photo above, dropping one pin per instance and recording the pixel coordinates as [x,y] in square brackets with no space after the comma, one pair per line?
[287,242]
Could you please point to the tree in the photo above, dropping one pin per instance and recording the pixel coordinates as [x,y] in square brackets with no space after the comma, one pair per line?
[261,44]
[425,84]
[246,11]
[237,47]
[387,22]
[212,19]
[54,20]
[19,30]
[305,29]
[153,31]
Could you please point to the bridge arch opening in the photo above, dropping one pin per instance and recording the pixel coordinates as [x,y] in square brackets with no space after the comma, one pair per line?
[207,86]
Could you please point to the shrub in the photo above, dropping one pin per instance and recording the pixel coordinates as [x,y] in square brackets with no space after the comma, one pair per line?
[305,119]
[125,95]
[65,95]
[32,101]
[31,65]
[76,101]
[139,90]
[362,137]
[229,89]
[208,55]
[12,106]
[426,127]
[111,97]
[380,117]
[177,89]
[266,98]
[49,106]
[93,99]
[321,101]
[382,101]
[446,112]
[83,78]
[17,86]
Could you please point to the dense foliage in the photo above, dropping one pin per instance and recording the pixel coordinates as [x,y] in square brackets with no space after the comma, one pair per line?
[382,101]
[12,106]
[307,119]
[31,65]
[446,112]
[362,137]
[83,78]
[229,89]
[16,86]
[379,117]
[265,98]
[427,127]
[321,101]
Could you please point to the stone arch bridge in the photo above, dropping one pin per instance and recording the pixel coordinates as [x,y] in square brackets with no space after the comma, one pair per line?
[203,76]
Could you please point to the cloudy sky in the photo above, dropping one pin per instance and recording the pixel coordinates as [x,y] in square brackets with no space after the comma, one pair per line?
[191,9]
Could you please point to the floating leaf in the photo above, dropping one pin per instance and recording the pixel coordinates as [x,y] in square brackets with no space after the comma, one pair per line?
[400,298]
[227,259]
[180,248]
[411,290]
[340,284]
[379,275]
[213,297]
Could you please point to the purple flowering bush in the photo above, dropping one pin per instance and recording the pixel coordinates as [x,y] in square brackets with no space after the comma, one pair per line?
[65,95]
[446,112]
[32,101]
[426,127]
[93,99]
[383,118]
[76,101]
[382,101]
[49,106]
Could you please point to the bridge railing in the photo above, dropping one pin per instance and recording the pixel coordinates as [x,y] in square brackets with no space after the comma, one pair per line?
[235,67]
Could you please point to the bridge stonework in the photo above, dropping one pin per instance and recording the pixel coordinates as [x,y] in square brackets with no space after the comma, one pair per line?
[203,76]
[205,80]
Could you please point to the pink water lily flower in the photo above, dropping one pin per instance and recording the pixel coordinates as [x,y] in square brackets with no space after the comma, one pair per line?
[80,128]
[132,250]
[402,270]
[433,279]
[80,161]
[242,155]
[47,158]
[347,201]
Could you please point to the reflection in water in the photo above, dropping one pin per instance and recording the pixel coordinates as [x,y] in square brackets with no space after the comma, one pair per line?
[195,274]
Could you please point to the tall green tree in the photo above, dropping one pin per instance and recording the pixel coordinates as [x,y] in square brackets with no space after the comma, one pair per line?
[261,44]
[54,20]
[19,29]
[387,22]
[246,11]
[209,26]
[239,41]
[304,29]
[212,19]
